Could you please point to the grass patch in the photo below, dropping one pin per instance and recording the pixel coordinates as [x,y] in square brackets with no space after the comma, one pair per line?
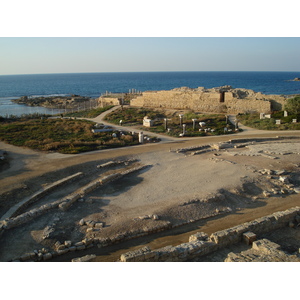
[254,121]
[215,123]
[61,135]
[132,116]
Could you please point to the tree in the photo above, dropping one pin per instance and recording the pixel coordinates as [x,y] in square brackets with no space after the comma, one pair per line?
[293,105]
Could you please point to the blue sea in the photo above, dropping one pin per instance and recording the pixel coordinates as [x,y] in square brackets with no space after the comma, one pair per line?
[95,84]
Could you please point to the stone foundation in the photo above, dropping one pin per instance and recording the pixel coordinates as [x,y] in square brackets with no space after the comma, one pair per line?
[200,245]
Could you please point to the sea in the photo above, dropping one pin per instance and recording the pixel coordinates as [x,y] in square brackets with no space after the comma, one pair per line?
[96,84]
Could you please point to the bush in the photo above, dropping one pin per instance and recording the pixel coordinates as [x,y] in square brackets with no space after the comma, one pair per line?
[293,105]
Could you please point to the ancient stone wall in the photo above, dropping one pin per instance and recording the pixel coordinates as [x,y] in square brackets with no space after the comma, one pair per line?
[201,244]
[218,100]
[106,101]
[19,207]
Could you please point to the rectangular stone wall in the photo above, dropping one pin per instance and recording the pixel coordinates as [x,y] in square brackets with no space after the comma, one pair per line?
[201,101]
[216,241]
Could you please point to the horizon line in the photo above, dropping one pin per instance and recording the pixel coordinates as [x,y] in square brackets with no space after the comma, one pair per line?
[136,72]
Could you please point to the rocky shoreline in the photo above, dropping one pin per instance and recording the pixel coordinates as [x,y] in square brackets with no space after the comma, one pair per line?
[71,101]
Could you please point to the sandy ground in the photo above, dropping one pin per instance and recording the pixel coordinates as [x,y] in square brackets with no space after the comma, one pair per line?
[170,180]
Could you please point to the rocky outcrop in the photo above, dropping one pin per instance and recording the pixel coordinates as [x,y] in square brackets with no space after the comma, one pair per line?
[53,101]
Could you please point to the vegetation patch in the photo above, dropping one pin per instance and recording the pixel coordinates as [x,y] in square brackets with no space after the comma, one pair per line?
[91,113]
[133,116]
[215,124]
[61,135]
[286,123]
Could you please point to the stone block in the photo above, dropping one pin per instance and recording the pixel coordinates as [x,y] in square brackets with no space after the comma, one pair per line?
[98,225]
[199,236]
[265,246]
[249,237]
[85,258]
[87,241]
[63,251]
[67,243]
[79,244]
[81,222]
[61,247]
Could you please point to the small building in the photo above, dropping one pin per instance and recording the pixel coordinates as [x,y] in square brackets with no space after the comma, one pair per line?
[147,122]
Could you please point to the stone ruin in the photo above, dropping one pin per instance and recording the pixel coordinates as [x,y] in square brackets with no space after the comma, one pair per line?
[200,244]
[223,99]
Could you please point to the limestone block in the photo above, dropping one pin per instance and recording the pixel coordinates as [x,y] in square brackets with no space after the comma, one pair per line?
[90,187]
[68,243]
[199,236]
[61,247]
[81,222]
[107,164]
[79,244]
[98,225]
[85,258]
[265,246]
[249,237]
[90,223]
[136,255]
[63,251]
[108,178]
[87,241]
[232,257]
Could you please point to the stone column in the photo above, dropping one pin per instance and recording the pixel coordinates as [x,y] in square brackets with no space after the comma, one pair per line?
[194,120]
[166,123]
[180,118]
[141,137]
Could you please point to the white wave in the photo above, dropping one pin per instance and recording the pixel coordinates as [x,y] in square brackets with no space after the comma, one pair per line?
[51,95]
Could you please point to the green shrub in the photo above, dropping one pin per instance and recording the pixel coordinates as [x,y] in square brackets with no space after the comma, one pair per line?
[62,135]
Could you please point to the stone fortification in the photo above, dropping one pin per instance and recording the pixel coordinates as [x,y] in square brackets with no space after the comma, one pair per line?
[218,100]
[200,244]
[106,101]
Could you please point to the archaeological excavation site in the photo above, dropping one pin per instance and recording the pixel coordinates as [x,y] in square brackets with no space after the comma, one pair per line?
[229,201]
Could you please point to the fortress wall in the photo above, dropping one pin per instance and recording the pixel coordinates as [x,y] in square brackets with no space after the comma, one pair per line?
[238,101]
[235,106]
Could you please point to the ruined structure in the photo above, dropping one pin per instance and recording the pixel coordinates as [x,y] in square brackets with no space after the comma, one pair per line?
[200,244]
[218,100]
[107,100]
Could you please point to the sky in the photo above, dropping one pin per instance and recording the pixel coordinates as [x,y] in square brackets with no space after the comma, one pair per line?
[64,36]
[41,55]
